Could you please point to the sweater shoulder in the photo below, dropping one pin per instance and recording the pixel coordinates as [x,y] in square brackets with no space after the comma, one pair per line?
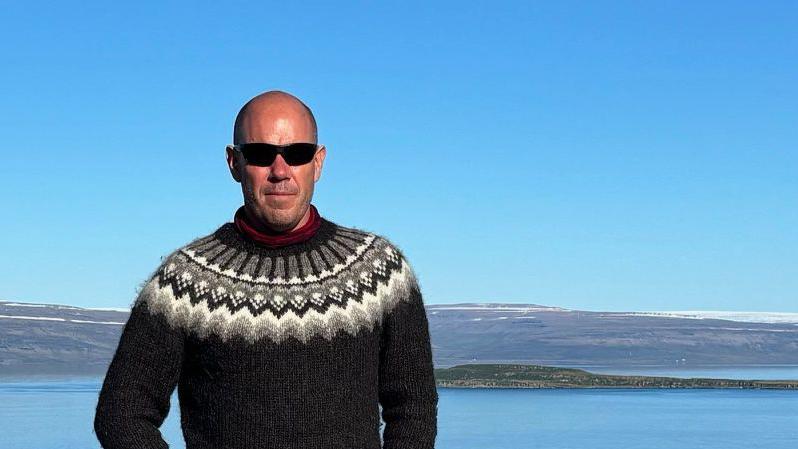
[394,251]
[145,292]
[406,283]
[388,246]
[382,238]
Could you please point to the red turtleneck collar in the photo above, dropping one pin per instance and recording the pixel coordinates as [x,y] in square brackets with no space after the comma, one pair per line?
[273,239]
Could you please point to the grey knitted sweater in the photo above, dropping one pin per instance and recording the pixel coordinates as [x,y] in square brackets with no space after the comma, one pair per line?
[303,346]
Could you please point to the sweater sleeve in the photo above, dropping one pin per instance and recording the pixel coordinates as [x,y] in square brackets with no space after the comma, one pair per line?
[407,390]
[135,395]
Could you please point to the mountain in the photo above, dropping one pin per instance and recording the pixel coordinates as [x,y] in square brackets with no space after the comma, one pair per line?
[57,339]
[535,334]
[60,339]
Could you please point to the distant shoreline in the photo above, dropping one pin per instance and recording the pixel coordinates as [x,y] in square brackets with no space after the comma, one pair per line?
[510,376]
[540,376]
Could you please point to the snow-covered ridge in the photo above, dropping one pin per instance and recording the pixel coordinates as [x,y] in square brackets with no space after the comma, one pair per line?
[487,307]
[746,317]
[47,318]
[110,309]
[62,306]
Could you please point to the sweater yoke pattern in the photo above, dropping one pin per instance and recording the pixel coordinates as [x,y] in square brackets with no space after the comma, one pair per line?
[305,345]
[340,280]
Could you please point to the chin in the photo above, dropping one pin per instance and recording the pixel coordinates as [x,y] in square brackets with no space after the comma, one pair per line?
[282,216]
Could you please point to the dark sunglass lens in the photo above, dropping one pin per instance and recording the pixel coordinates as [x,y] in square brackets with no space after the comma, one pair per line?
[299,153]
[260,155]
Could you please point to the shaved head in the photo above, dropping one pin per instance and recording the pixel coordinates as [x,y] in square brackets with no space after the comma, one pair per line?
[268,114]
[276,198]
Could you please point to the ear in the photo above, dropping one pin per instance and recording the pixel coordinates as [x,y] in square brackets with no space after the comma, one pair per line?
[318,162]
[233,163]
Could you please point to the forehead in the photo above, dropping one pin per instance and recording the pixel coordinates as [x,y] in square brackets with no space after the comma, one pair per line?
[275,127]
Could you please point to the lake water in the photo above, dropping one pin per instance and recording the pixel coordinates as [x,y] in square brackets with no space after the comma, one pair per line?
[55,413]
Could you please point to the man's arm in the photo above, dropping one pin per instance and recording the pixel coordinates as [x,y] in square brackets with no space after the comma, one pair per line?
[134,399]
[407,390]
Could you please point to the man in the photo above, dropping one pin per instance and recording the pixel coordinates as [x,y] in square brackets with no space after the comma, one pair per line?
[281,329]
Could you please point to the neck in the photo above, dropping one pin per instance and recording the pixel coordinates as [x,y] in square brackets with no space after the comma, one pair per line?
[275,239]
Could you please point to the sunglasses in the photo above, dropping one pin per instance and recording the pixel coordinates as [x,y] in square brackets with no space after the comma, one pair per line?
[263,154]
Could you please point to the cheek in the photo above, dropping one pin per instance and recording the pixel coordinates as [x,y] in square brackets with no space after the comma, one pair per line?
[256,177]
[304,177]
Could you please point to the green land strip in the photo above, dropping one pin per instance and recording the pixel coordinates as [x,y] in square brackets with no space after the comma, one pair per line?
[539,376]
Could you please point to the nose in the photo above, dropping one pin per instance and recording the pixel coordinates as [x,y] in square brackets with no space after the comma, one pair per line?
[280,168]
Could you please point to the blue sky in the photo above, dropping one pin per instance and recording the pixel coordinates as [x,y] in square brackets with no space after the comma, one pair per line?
[588,155]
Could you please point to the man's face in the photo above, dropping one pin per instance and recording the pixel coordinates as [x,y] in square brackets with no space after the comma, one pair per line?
[278,195]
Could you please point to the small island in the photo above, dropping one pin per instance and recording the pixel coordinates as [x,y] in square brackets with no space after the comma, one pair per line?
[539,376]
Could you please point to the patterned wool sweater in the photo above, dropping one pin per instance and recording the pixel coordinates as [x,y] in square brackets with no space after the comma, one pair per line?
[303,346]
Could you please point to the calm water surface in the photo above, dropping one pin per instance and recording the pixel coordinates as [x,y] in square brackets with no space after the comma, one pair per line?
[57,413]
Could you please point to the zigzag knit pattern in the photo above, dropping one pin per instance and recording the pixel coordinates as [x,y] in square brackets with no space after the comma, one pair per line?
[223,284]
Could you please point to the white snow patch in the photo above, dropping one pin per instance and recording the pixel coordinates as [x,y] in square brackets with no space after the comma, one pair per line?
[96,322]
[500,308]
[61,306]
[16,304]
[47,318]
[23,317]
[111,309]
[746,317]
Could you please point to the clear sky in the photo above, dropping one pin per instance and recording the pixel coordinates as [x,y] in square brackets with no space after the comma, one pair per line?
[600,156]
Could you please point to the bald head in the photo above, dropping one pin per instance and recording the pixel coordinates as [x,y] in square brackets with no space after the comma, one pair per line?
[276,197]
[275,117]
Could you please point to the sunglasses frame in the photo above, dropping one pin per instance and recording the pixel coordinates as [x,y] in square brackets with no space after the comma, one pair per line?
[279,149]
